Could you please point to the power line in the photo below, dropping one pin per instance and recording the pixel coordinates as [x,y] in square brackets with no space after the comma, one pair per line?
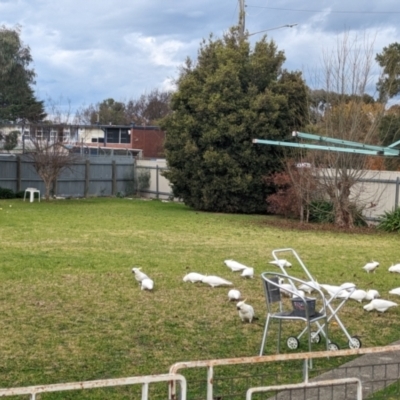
[332,12]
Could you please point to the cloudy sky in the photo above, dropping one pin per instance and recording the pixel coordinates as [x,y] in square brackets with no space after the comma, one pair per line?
[85,51]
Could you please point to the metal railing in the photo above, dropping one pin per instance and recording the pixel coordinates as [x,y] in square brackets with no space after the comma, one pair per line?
[210,364]
[61,387]
[305,385]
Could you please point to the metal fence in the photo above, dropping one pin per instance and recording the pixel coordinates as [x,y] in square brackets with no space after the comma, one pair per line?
[94,176]
[378,370]
[372,373]
[376,191]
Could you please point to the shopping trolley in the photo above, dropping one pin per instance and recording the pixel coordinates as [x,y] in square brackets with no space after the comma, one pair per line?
[342,295]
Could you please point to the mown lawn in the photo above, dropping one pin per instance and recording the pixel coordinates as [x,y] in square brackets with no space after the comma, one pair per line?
[71,309]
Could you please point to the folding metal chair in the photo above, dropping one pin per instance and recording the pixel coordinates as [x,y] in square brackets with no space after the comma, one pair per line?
[333,309]
[303,309]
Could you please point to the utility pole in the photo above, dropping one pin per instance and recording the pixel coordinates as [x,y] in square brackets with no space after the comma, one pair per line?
[242,16]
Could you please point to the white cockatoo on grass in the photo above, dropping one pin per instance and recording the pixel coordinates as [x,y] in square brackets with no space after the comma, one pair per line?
[372,294]
[395,268]
[379,305]
[358,295]
[285,289]
[334,291]
[234,265]
[139,275]
[193,277]
[214,281]
[395,291]
[248,272]
[246,311]
[371,266]
[234,295]
[281,263]
[147,284]
[309,286]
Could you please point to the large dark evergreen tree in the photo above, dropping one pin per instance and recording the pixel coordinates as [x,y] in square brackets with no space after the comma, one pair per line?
[231,95]
[17,99]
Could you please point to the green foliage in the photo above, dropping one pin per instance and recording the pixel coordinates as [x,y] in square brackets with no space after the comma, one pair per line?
[390,221]
[389,85]
[389,132]
[143,179]
[16,95]
[6,193]
[11,140]
[232,95]
[321,211]
[146,110]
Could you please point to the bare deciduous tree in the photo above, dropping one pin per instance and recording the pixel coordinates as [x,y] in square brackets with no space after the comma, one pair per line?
[344,111]
[50,158]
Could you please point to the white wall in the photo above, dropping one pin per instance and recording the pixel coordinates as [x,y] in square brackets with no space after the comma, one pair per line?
[163,184]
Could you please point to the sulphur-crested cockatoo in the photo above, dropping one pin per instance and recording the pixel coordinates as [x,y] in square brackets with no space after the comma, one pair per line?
[234,265]
[139,275]
[193,277]
[281,263]
[214,281]
[333,290]
[379,305]
[309,286]
[372,294]
[371,266]
[358,295]
[246,311]
[349,286]
[234,295]
[248,272]
[285,289]
[395,291]
[147,284]
[395,268]
[299,293]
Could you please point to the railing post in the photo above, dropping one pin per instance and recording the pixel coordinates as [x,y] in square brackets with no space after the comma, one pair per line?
[210,378]
[114,178]
[87,173]
[145,391]
[19,176]
[157,170]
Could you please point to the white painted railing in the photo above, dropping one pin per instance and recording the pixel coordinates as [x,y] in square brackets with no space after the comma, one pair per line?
[61,387]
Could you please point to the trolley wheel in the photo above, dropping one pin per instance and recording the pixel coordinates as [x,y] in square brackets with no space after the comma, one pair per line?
[315,337]
[292,343]
[355,343]
[333,346]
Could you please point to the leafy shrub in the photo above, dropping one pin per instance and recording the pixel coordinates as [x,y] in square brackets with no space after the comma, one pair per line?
[6,193]
[285,200]
[390,221]
[321,211]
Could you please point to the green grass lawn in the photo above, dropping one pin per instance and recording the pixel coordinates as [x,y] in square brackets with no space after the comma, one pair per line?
[71,309]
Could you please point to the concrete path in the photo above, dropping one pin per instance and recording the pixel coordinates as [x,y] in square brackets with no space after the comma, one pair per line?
[376,371]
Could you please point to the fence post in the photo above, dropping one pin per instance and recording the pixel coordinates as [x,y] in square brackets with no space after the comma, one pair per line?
[19,174]
[87,169]
[396,197]
[157,181]
[113,178]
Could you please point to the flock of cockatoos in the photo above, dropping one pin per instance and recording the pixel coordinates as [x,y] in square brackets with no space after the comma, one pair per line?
[246,311]
[347,289]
